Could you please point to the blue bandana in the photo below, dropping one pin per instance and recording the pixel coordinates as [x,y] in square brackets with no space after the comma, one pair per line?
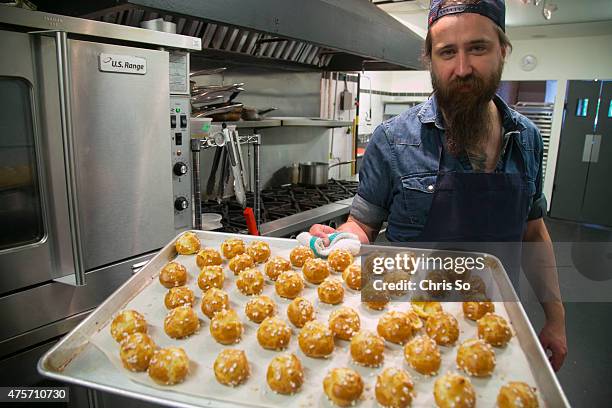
[494,9]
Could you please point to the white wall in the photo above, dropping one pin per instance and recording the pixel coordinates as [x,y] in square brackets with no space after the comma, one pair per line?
[389,81]
[411,81]
[368,120]
[379,81]
[341,146]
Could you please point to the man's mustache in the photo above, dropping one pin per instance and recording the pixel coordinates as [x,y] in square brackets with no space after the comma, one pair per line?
[471,81]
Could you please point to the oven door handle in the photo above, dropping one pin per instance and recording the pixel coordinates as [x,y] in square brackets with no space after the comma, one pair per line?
[65,87]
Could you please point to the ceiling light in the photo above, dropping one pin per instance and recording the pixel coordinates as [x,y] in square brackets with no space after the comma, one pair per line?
[548,10]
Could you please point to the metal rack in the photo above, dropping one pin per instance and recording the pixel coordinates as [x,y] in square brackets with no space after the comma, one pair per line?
[541,115]
[198,144]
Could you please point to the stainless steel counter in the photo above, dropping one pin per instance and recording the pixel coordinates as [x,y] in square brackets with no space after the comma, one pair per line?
[305,219]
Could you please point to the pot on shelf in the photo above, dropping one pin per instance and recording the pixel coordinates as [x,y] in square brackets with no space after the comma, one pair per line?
[317,173]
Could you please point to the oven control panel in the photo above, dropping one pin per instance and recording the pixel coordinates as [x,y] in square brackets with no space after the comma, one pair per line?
[181,166]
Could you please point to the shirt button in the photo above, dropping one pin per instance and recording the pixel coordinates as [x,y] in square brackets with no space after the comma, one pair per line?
[430,187]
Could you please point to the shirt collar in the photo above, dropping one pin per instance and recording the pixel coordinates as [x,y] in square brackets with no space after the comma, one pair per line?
[429,113]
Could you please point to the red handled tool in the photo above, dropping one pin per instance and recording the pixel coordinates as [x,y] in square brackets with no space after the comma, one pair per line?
[249,216]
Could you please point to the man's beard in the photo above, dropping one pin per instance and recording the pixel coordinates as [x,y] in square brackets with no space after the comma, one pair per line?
[466,113]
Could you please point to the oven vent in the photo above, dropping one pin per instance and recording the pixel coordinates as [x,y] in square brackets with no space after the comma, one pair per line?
[228,39]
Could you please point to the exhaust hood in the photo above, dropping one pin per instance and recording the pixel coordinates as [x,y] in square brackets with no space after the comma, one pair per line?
[333,35]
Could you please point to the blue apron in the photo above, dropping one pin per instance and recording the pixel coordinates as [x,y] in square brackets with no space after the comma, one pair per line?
[480,208]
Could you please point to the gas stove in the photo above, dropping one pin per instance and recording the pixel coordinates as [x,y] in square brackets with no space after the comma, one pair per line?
[281,202]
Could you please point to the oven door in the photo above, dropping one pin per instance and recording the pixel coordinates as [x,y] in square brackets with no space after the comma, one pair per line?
[34,232]
[122,151]
[85,180]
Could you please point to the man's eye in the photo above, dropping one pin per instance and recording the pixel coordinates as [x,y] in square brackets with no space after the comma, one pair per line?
[447,53]
[479,49]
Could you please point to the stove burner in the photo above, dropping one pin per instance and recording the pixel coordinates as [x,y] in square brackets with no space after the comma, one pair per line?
[281,202]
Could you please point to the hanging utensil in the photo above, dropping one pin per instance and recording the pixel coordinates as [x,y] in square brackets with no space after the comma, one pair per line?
[243,169]
[235,166]
[249,216]
[346,98]
[221,186]
[212,178]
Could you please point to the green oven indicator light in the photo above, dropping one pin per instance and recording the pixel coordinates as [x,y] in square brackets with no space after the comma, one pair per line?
[178,110]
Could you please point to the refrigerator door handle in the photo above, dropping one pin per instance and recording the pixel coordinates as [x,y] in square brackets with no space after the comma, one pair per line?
[64,81]
[590,152]
[586,150]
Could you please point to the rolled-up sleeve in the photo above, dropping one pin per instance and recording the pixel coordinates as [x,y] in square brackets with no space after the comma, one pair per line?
[538,203]
[372,202]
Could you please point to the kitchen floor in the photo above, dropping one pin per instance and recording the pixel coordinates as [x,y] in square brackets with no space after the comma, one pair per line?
[585,376]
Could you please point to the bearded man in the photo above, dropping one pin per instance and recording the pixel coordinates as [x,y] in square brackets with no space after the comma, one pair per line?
[463,166]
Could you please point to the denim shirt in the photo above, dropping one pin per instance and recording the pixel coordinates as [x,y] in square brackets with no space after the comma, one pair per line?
[399,169]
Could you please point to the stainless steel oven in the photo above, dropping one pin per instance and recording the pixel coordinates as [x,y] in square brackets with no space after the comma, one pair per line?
[94,170]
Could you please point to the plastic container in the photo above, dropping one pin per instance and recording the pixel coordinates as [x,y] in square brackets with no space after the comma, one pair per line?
[211,221]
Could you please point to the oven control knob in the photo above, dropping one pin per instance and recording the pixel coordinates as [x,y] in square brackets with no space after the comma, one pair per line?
[181,204]
[180,169]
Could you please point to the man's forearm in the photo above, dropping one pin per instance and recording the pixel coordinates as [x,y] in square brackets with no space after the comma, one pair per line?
[541,270]
[554,312]
[365,233]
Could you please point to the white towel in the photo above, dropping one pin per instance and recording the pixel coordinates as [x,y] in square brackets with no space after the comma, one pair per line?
[344,240]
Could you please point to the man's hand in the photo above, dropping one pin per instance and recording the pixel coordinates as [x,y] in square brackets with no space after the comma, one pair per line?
[365,233]
[322,231]
[552,337]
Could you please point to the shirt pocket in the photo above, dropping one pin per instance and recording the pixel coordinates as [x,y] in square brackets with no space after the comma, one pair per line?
[417,195]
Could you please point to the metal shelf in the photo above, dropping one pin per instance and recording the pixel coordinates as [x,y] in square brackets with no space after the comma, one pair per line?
[313,122]
[288,121]
[253,124]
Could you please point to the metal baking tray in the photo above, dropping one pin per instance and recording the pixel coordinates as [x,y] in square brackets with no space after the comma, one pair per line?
[75,360]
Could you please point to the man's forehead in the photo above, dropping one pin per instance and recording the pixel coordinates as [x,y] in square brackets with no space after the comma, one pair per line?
[462,28]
